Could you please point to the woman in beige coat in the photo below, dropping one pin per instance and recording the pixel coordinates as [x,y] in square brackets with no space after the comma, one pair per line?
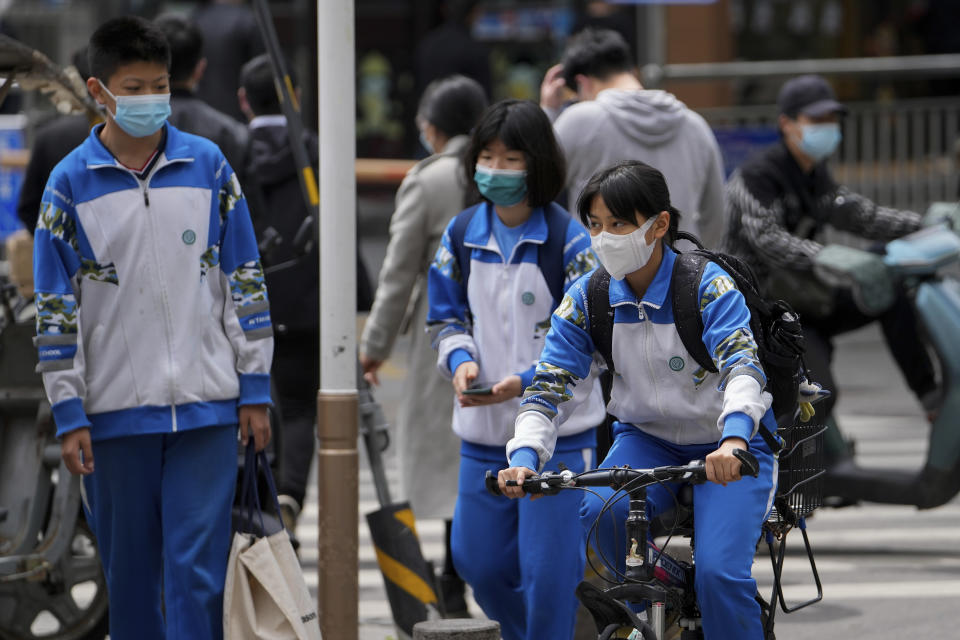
[429,196]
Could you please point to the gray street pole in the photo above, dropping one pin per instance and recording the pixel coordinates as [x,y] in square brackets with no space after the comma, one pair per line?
[337,396]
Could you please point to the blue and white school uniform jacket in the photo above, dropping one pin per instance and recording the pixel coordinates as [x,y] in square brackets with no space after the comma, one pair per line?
[503,326]
[658,387]
[152,313]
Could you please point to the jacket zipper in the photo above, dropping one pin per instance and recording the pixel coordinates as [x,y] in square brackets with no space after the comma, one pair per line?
[646,356]
[167,322]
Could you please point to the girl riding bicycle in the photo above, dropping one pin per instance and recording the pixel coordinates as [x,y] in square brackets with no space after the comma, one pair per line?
[668,410]
[500,271]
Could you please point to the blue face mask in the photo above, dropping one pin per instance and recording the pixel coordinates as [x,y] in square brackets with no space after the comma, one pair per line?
[820,140]
[426,144]
[505,187]
[140,116]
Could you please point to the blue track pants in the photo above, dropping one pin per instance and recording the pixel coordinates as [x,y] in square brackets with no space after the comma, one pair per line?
[522,558]
[159,506]
[728,522]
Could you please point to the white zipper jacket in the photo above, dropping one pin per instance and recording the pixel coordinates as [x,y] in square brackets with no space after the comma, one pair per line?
[500,318]
[152,313]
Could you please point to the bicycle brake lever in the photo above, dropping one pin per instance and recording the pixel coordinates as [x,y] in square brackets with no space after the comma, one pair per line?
[748,463]
[491,483]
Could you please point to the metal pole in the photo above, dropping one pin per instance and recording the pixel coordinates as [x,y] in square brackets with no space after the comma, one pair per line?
[337,396]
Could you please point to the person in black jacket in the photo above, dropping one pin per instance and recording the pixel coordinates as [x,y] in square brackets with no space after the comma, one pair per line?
[278,211]
[188,112]
[780,202]
[232,37]
[450,48]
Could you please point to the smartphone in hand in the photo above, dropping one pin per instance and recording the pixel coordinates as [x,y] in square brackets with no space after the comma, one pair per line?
[479,389]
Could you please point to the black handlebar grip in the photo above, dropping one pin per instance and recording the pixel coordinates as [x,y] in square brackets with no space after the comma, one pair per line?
[748,463]
[492,484]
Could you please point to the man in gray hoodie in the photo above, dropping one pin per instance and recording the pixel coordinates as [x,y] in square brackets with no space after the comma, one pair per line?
[616,119]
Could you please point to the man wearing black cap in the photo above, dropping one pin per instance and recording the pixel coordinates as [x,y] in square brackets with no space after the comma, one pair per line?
[779,204]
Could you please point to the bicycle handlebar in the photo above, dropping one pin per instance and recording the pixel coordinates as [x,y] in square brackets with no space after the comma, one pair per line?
[551,482]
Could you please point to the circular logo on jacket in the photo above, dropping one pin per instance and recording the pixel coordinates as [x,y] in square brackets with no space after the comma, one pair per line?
[189,236]
[676,363]
[528,298]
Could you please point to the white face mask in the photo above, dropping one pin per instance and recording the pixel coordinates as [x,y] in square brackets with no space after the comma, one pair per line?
[623,254]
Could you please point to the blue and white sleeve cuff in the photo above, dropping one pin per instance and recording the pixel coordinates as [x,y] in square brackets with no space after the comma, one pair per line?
[69,416]
[254,389]
[457,358]
[525,457]
[738,425]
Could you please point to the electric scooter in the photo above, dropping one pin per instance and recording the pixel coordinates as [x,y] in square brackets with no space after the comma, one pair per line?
[926,263]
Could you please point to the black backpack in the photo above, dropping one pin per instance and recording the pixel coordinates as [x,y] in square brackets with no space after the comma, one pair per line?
[775,326]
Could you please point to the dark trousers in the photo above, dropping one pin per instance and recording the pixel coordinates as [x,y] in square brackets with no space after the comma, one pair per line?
[900,332]
[296,376]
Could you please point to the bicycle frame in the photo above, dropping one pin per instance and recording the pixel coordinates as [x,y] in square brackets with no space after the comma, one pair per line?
[658,579]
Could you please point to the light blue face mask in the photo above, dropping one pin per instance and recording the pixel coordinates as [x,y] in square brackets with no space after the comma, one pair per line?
[505,187]
[820,140]
[426,144]
[140,116]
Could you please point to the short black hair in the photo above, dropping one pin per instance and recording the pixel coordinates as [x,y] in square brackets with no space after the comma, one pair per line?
[125,40]
[629,188]
[598,53]
[452,104]
[186,45]
[256,78]
[521,125]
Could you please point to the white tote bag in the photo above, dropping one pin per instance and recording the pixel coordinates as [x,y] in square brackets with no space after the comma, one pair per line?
[265,596]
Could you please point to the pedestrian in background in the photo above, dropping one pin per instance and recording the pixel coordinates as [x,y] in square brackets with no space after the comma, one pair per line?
[501,270]
[188,112]
[231,37]
[617,119]
[450,48]
[277,203]
[430,195]
[154,340]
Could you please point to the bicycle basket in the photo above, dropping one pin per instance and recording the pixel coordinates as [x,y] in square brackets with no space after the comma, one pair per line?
[800,486]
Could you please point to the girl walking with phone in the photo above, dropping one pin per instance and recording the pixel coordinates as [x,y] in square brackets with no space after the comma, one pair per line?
[501,269]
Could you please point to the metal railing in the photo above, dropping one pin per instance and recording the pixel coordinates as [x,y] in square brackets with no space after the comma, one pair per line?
[946,64]
[900,154]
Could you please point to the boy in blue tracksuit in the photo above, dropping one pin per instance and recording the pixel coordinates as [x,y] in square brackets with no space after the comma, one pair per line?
[154,339]
[668,410]
[500,270]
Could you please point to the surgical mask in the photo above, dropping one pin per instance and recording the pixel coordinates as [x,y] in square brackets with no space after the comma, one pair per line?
[505,187]
[426,144]
[623,254]
[820,140]
[140,116]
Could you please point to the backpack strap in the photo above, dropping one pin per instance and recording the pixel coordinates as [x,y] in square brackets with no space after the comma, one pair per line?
[600,315]
[550,253]
[457,234]
[685,285]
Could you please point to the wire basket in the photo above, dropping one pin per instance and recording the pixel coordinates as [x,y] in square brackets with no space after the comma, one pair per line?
[800,486]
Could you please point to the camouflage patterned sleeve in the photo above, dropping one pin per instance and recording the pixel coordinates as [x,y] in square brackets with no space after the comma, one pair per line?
[566,357]
[247,310]
[56,266]
[729,340]
[448,315]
